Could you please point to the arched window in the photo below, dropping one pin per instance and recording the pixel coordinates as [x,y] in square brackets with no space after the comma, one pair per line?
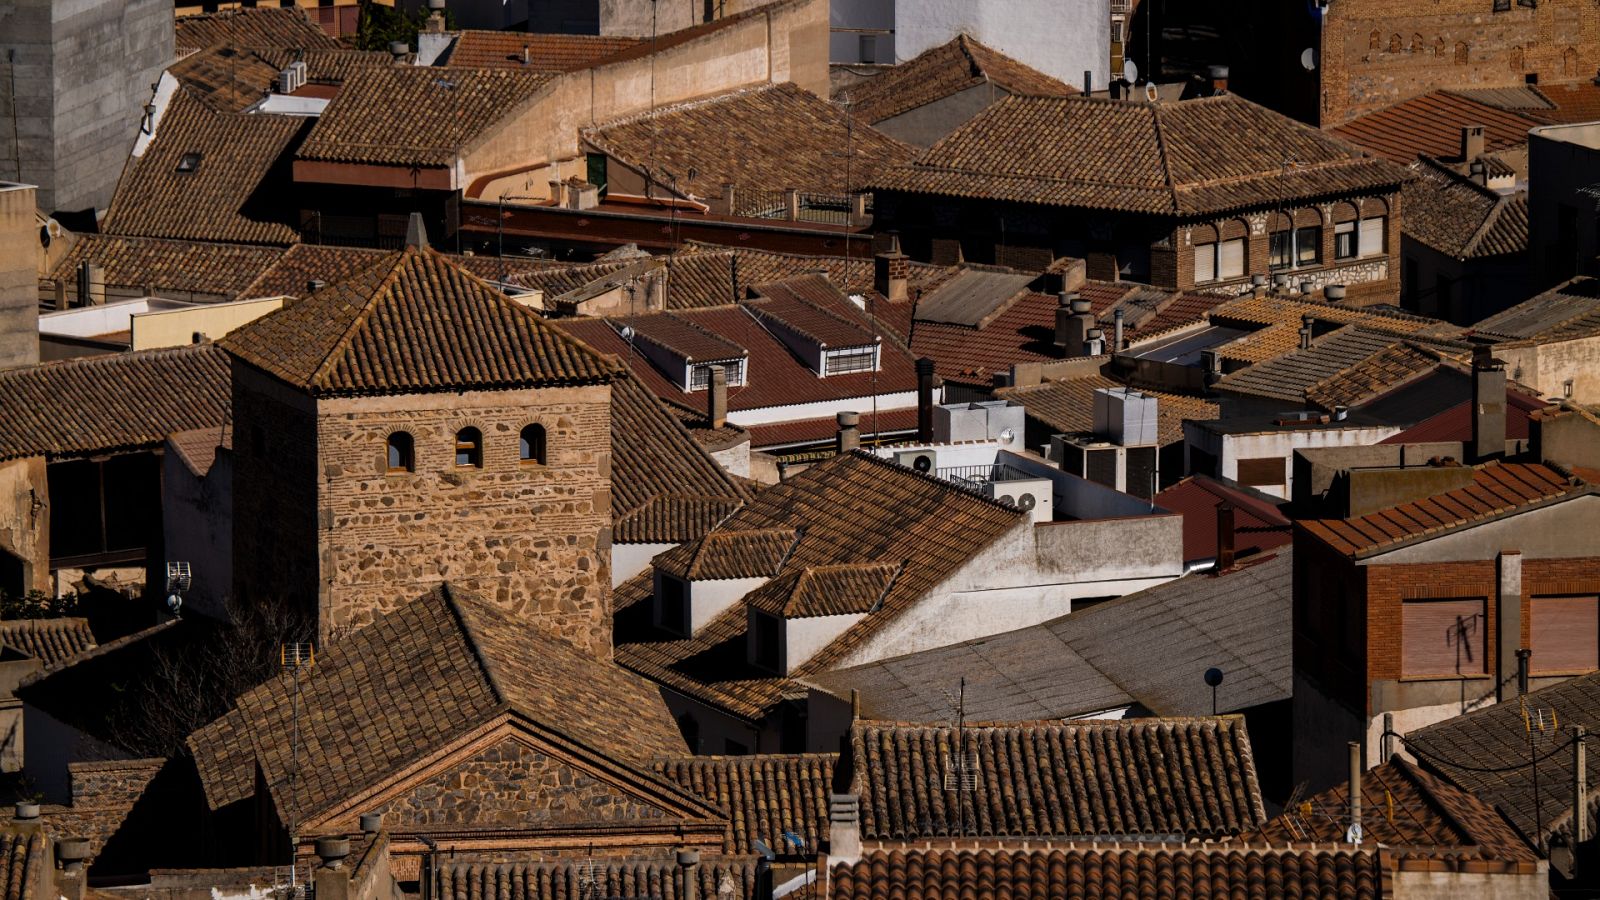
[1463,52]
[1375,40]
[402,452]
[532,447]
[469,448]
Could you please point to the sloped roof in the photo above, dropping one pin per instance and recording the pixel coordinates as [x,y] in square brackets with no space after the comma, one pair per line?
[287,27]
[658,879]
[234,192]
[1258,524]
[1497,489]
[1202,156]
[1378,374]
[1092,661]
[764,796]
[415,115]
[1565,312]
[1459,217]
[1431,125]
[123,401]
[664,487]
[1067,406]
[1178,873]
[1294,375]
[854,508]
[400,689]
[51,641]
[825,590]
[1133,777]
[1455,423]
[947,69]
[807,306]
[414,322]
[731,553]
[171,266]
[480,49]
[762,139]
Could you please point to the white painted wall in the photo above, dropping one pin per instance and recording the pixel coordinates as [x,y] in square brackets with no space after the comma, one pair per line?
[804,637]
[628,560]
[767,415]
[707,599]
[1230,448]
[1060,39]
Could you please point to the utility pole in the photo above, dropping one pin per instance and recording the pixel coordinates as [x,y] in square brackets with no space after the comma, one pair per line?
[1580,790]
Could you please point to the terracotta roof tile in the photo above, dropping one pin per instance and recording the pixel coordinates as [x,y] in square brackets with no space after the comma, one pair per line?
[209,176]
[947,69]
[664,487]
[1190,777]
[414,322]
[178,269]
[657,879]
[764,796]
[672,519]
[753,553]
[118,402]
[1139,157]
[1497,489]
[1188,873]
[1565,312]
[445,111]
[825,590]
[288,27]
[1377,374]
[682,337]
[534,52]
[51,641]
[884,423]
[762,140]
[1459,217]
[1455,423]
[802,305]
[1431,125]
[1258,525]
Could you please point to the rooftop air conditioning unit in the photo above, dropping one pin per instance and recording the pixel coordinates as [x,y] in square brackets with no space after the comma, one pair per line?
[1034,496]
[924,461]
[292,78]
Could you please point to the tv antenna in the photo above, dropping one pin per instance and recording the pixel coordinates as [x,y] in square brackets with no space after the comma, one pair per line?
[295,659]
[179,580]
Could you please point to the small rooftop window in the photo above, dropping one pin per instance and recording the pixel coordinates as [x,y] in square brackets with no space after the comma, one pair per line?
[190,162]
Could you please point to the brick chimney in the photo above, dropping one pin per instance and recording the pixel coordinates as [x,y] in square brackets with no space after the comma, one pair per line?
[925,400]
[1219,79]
[1471,142]
[1488,406]
[717,398]
[891,270]
[849,437]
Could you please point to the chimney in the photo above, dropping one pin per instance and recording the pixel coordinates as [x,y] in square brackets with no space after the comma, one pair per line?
[1478,173]
[689,865]
[1116,320]
[332,879]
[371,823]
[398,50]
[72,854]
[925,400]
[1307,329]
[1219,79]
[844,827]
[1211,361]
[558,193]
[315,284]
[717,398]
[416,232]
[1258,285]
[1488,406]
[21,258]
[1073,322]
[1224,537]
[890,271]
[730,197]
[1094,342]
[1471,142]
[1334,293]
[435,23]
[1088,82]
[849,437]
[1307,286]
[1355,788]
[1280,282]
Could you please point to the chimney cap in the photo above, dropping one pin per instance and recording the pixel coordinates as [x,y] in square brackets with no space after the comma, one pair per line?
[27,811]
[1217,73]
[848,419]
[371,823]
[1080,306]
[72,849]
[687,858]
[1334,292]
[332,850]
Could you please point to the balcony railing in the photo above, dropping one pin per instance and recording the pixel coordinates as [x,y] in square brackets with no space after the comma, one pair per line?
[977,476]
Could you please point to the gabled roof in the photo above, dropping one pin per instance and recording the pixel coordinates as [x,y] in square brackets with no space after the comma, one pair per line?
[681,337]
[398,691]
[415,115]
[804,306]
[533,52]
[825,590]
[209,176]
[729,553]
[171,268]
[1455,423]
[947,69]
[124,401]
[854,508]
[414,322]
[233,77]
[1566,312]
[1212,872]
[763,140]
[288,27]
[1497,490]
[764,796]
[1431,125]
[1258,524]
[51,641]
[1134,777]
[664,487]
[1339,369]
[1198,157]
[1461,218]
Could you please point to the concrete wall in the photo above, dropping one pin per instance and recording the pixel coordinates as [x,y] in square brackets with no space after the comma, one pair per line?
[177,327]
[197,526]
[20,254]
[1058,39]
[1562,159]
[642,18]
[1230,448]
[1548,367]
[1561,531]
[850,19]
[926,124]
[81,71]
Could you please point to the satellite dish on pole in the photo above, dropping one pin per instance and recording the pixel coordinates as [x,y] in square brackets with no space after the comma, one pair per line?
[1308,59]
[1130,71]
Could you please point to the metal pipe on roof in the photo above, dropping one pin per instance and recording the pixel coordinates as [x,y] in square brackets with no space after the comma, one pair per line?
[1355,793]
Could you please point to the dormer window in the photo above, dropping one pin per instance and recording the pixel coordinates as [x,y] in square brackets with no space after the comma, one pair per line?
[850,359]
[700,374]
[766,642]
[189,162]
[672,604]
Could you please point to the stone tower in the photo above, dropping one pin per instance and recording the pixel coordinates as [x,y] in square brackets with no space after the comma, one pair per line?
[411,426]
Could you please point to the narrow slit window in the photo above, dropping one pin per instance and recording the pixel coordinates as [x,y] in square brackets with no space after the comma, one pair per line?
[532,448]
[469,448]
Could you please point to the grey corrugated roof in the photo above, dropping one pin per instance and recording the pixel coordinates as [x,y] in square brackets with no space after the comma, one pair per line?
[1572,301]
[971,296]
[1288,376]
[1519,97]
[1150,648]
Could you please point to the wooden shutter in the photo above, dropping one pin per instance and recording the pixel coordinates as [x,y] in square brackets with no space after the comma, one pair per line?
[1231,265]
[1371,238]
[1265,471]
[1443,637]
[1565,633]
[1205,263]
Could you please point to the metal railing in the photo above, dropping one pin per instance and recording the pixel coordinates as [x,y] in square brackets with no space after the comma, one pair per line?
[977,476]
[802,206]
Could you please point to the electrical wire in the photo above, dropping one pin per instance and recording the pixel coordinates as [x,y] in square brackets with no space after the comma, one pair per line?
[1433,757]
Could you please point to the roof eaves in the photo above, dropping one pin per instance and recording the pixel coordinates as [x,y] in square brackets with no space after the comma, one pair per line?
[1514,510]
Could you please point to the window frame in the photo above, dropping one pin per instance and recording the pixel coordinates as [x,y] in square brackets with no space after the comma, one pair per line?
[766,649]
[867,352]
[1382,229]
[469,442]
[403,443]
[526,451]
[1350,232]
[672,612]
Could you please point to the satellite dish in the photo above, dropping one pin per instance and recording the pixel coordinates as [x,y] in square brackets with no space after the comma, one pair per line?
[628,332]
[1308,59]
[1213,676]
[1130,71]
[1026,502]
[174,603]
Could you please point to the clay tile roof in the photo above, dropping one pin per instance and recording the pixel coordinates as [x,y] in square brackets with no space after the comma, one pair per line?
[395,692]
[1258,523]
[534,52]
[657,879]
[763,796]
[682,337]
[1379,373]
[672,519]
[1143,777]
[764,140]
[226,78]
[1455,423]
[209,176]
[753,553]
[414,322]
[181,270]
[124,401]
[825,590]
[1403,807]
[1459,217]
[947,69]
[855,508]
[288,27]
[1295,375]
[1565,312]
[665,488]
[1067,406]
[50,641]
[1497,489]
[805,306]
[26,865]
[415,115]
[1198,157]
[1431,125]
[1178,873]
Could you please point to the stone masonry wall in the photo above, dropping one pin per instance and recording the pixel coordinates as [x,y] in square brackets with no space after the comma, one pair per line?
[533,538]
[1378,52]
[513,785]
